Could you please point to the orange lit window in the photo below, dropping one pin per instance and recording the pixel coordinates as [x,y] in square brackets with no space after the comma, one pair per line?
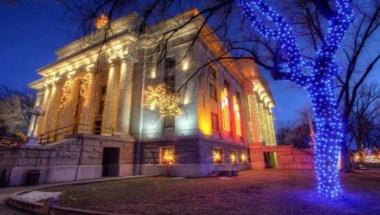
[217,155]
[214,122]
[167,155]
[243,157]
[233,157]
[225,110]
[237,116]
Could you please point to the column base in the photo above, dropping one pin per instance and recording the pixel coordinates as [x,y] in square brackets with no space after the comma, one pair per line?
[122,134]
[32,142]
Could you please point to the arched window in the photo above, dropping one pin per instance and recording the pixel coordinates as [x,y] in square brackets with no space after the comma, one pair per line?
[225,110]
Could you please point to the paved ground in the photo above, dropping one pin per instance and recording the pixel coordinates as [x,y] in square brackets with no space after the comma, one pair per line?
[253,192]
[370,172]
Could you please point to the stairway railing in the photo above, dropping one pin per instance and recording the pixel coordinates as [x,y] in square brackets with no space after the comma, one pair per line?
[73,129]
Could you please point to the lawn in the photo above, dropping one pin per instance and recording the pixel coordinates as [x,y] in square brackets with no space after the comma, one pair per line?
[252,192]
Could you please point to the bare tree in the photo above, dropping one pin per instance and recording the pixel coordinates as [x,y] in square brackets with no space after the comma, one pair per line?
[365,117]
[297,131]
[15,112]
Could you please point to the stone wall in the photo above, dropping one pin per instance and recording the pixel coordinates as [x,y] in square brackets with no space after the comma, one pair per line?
[74,158]
[288,157]
[193,156]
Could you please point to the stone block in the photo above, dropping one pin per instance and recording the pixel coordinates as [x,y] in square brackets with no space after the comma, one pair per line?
[89,172]
[44,154]
[61,154]
[61,174]
[88,148]
[43,162]
[98,149]
[94,155]
[74,148]
[27,162]
[7,161]
[32,154]
[53,154]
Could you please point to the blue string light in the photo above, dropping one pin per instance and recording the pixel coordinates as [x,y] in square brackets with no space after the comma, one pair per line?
[328,121]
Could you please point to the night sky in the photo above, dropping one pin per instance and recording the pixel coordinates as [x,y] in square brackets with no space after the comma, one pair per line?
[32,30]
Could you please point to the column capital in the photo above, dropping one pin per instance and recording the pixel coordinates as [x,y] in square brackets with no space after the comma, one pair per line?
[89,67]
[129,58]
[111,61]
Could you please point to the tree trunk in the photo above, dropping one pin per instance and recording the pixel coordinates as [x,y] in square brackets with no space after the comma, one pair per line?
[329,138]
[346,155]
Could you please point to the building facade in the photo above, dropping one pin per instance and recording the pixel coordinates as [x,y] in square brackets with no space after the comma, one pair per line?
[93,121]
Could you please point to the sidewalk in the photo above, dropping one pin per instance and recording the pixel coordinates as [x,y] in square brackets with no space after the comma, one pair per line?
[375,172]
[7,192]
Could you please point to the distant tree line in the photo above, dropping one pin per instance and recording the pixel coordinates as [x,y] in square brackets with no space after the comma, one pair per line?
[363,123]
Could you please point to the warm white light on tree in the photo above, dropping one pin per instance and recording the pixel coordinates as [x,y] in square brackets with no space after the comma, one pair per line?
[166,103]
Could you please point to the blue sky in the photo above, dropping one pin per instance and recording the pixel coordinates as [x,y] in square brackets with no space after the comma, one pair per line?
[33,30]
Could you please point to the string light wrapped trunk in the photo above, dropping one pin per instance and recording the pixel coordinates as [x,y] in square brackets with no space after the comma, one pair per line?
[329,124]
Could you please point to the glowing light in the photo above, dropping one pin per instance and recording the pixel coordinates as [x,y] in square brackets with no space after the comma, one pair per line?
[84,86]
[320,83]
[225,110]
[153,73]
[217,156]
[237,117]
[185,64]
[167,104]
[204,123]
[243,157]
[186,99]
[67,88]
[66,93]
[357,157]
[233,157]
[167,156]
[101,21]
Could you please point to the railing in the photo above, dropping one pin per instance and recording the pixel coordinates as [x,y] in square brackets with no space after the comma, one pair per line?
[60,133]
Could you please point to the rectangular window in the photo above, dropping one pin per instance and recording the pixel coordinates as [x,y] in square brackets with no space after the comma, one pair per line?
[212,72]
[237,116]
[167,155]
[169,63]
[233,157]
[213,92]
[225,110]
[243,157]
[217,155]
[214,122]
[169,122]
[170,83]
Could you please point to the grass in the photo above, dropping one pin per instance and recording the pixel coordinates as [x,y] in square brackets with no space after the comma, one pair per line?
[252,192]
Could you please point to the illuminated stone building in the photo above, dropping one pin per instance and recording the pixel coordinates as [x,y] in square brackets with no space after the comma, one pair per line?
[93,122]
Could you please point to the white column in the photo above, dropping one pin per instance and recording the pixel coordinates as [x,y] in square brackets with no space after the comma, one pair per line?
[42,119]
[125,95]
[273,133]
[108,124]
[33,120]
[260,132]
[47,108]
